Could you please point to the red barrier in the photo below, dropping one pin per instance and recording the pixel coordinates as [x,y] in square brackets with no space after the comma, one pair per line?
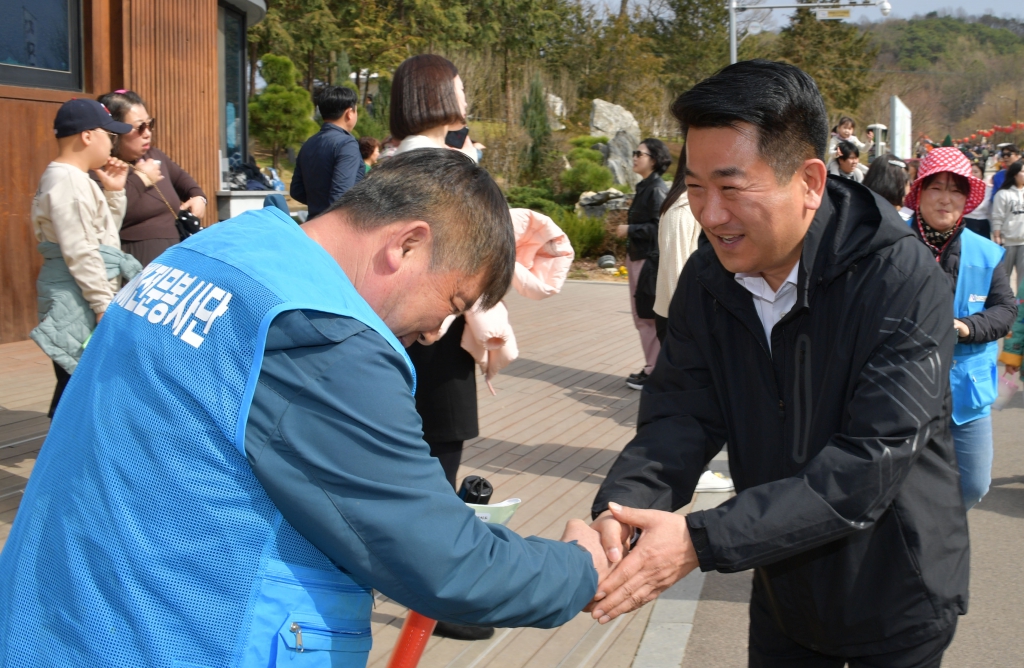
[412,641]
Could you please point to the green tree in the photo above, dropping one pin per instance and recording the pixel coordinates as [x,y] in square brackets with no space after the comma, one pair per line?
[692,37]
[281,116]
[535,120]
[836,54]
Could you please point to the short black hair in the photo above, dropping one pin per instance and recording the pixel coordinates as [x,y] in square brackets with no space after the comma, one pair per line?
[467,212]
[334,101]
[1011,175]
[780,100]
[1005,151]
[888,177]
[847,150]
[659,154]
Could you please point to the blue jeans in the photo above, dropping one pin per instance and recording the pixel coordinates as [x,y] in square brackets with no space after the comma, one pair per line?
[973,441]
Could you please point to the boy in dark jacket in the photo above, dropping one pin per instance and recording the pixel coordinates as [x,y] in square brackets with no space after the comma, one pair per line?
[812,336]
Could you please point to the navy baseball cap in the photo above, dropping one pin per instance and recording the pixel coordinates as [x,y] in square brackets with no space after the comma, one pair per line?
[83,114]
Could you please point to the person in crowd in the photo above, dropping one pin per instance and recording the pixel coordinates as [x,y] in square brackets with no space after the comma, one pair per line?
[329,163]
[844,131]
[368,105]
[369,148]
[679,235]
[813,339]
[1007,156]
[257,466]
[1013,345]
[157,187]
[845,164]
[887,176]
[944,191]
[1008,218]
[651,159]
[912,166]
[76,224]
[977,221]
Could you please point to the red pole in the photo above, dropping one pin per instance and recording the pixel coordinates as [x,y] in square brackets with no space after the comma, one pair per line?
[412,641]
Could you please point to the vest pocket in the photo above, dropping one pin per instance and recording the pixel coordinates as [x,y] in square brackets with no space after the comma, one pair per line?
[973,381]
[312,640]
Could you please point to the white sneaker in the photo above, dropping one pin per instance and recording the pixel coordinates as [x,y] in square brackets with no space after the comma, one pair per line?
[712,481]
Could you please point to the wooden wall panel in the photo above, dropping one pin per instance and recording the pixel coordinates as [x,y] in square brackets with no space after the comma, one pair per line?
[26,147]
[170,59]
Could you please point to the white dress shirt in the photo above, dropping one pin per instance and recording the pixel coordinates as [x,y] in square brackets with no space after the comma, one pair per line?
[771,306]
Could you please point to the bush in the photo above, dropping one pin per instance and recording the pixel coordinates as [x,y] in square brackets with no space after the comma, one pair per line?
[281,116]
[578,155]
[586,234]
[368,125]
[586,176]
[538,199]
[586,141]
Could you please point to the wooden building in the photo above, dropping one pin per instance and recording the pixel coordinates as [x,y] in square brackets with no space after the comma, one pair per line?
[186,58]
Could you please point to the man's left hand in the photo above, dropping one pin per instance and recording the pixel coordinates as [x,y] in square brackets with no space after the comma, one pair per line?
[112,175]
[663,556]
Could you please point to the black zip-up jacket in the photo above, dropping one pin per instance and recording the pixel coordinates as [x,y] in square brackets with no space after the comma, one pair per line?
[643,216]
[848,498]
[1000,311]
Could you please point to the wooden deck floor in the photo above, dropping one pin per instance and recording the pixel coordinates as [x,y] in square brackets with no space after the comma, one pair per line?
[561,415]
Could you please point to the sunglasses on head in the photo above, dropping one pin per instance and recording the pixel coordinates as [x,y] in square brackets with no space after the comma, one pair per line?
[143,126]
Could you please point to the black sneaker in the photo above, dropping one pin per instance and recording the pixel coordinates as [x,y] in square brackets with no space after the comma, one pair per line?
[460,632]
[636,375]
[637,382]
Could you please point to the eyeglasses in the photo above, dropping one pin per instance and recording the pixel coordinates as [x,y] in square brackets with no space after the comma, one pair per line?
[113,135]
[143,126]
[637,154]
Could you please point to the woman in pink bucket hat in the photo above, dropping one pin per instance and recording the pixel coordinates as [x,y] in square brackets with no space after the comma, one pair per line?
[983,304]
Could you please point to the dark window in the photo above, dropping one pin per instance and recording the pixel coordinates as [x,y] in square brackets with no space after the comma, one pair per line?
[40,43]
[231,49]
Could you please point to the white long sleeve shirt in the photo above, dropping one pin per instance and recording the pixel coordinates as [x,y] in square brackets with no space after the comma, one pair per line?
[1008,215]
[72,211]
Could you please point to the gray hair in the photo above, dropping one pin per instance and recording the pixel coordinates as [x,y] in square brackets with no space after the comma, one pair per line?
[468,216]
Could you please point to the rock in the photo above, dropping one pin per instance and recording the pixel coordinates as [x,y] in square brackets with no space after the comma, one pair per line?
[556,112]
[591,198]
[606,262]
[607,120]
[620,158]
[601,148]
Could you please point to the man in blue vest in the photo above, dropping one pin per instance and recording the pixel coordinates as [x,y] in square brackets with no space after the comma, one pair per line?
[238,460]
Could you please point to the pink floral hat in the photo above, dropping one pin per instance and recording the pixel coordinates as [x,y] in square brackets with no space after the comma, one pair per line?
[946,159]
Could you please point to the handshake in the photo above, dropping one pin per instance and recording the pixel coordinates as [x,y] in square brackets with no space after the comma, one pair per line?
[631,575]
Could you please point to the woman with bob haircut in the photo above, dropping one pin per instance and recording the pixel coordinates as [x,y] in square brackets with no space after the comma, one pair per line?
[887,176]
[428,100]
[984,308]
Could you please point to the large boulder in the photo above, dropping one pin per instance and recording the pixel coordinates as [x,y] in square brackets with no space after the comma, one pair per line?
[607,119]
[556,112]
[620,158]
[598,204]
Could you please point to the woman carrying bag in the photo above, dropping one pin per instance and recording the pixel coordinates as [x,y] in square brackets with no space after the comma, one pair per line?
[983,305]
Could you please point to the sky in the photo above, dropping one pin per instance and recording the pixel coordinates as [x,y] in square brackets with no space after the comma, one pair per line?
[900,8]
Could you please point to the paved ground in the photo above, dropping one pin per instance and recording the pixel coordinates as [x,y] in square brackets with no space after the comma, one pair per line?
[561,415]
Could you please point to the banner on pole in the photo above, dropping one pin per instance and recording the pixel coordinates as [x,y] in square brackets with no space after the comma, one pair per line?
[900,135]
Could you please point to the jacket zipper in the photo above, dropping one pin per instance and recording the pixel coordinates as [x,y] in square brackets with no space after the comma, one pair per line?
[802,401]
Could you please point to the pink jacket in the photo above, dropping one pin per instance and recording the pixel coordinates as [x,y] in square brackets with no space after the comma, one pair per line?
[543,258]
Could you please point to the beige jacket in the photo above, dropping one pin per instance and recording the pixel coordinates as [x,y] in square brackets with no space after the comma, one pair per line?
[72,211]
[678,232]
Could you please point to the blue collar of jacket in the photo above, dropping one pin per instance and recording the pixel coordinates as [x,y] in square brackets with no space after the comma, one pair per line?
[328,126]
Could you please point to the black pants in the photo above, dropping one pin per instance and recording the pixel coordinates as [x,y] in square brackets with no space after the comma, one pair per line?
[770,648]
[62,381]
[660,328]
[980,226]
[450,455]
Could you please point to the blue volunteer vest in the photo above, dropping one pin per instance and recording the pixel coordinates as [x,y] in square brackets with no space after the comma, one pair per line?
[143,538]
[973,377]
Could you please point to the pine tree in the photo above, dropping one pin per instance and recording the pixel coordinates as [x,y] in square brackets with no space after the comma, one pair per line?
[836,54]
[692,36]
[281,116]
[535,120]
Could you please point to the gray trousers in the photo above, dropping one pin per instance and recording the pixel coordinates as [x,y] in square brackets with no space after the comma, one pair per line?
[1014,260]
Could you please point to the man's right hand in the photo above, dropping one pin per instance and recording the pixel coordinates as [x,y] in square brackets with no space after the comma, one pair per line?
[614,536]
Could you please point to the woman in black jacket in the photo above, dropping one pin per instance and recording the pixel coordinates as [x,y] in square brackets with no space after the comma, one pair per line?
[650,160]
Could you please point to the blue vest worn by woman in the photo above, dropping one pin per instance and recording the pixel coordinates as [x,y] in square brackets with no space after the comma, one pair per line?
[973,377]
[143,538]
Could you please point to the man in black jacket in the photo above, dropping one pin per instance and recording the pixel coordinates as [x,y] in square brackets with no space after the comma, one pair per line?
[813,336]
[329,163]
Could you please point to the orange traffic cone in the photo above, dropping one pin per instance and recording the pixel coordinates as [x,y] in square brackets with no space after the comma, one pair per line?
[412,641]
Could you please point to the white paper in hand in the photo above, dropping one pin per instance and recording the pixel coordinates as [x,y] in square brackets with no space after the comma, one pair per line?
[496,513]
